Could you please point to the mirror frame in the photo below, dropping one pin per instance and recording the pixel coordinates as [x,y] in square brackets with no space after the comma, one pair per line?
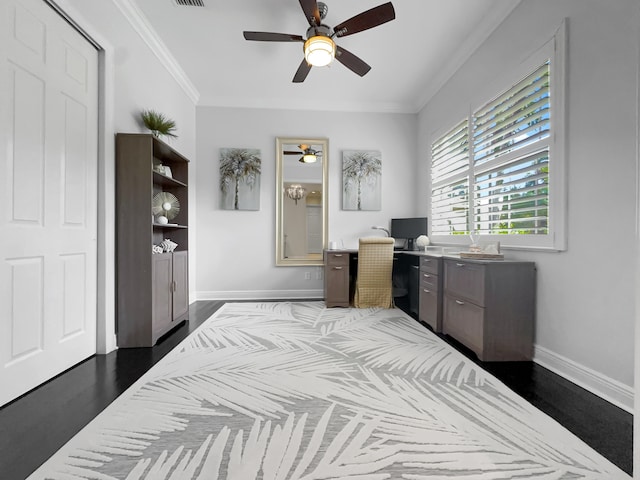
[280,142]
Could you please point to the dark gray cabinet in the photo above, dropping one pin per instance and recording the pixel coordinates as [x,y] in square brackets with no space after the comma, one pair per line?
[430,292]
[180,286]
[336,279]
[170,293]
[489,306]
[152,289]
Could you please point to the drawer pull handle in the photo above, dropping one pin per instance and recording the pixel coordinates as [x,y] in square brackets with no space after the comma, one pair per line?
[459,264]
[426,261]
[427,276]
[459,302]
[337,268]
[337,254]
[426,291]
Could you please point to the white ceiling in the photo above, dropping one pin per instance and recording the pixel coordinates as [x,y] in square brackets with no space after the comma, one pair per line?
[411,57]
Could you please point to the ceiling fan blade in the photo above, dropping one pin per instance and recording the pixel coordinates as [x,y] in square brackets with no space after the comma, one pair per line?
[291,152]
[302,72]
[310,9]
[371,18]
[272,37]
[353,63]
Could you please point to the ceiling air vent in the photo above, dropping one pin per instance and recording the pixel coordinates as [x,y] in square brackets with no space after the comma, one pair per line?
[189,3]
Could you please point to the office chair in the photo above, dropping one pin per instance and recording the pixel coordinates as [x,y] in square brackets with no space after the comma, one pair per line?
[375,264]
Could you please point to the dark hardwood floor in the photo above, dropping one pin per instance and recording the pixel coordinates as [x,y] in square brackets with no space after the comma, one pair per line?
[37,424]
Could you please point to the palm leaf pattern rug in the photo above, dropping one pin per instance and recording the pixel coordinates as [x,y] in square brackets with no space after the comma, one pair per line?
[283,391]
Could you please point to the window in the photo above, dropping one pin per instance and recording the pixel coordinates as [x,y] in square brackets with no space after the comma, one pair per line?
[450,182]
[494,173]
[511,159]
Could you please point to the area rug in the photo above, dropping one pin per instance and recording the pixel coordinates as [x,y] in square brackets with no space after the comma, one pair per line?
[298,391]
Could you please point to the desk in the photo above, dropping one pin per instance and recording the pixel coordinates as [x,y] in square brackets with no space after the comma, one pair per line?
[487,305]
[341,269]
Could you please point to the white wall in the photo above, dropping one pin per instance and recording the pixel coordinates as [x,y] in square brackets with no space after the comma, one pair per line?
[236,249]
[586,294]
[134,79]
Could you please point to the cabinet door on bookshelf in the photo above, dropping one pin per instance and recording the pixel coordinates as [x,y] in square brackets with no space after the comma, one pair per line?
[162,313]
[180,285]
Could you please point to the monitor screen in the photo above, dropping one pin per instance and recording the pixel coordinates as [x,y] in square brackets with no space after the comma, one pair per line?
[409,229]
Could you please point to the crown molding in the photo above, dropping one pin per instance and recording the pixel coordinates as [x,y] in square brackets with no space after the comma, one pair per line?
[306,105]
[483,30]
[142,26]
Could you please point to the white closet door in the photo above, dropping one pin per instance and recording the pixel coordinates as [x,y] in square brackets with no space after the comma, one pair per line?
[48,196]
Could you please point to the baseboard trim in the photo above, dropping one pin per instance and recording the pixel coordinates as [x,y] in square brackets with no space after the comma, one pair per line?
[261,294]
[611,390]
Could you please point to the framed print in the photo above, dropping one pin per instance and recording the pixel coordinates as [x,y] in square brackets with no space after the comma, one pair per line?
[240,178]
[361,180]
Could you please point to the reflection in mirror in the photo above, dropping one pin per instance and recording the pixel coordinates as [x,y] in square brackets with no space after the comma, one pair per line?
[301,200]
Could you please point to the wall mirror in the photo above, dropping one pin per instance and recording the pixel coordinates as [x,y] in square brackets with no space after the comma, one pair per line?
[301,200]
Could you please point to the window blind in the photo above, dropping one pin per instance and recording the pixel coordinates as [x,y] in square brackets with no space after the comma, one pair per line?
[450,154]
[449,180]
[490,173]
[450,208]
[513,198]
[513,120]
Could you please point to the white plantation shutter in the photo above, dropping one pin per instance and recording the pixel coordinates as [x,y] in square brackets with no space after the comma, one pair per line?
[450,209]
[450,153]
[501,172]
[511,182]
[449,181]
[513,198]
[516,119]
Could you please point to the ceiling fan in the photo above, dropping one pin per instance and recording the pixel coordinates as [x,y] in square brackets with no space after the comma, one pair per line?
[308,154]
[319,46]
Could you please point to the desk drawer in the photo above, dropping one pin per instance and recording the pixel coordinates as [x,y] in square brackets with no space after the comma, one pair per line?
[428,312]
[337,259]
[430,281]
[466,280]
[464,321]
[430,264]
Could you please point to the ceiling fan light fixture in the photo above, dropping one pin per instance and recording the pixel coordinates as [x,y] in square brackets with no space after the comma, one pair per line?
[309,158]
[319,51]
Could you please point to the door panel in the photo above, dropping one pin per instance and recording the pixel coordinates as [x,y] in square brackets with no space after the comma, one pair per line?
[73,290]
[73,163]
[26,164]
[181,282]
[48,175]
[162,311]
[26,320]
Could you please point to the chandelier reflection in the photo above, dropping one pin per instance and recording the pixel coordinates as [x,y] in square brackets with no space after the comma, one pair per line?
[295,192]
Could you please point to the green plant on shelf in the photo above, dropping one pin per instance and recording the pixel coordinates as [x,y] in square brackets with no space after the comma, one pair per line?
[158,124]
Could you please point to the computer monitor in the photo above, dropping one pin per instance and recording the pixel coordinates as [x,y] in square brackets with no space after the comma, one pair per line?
[409,229]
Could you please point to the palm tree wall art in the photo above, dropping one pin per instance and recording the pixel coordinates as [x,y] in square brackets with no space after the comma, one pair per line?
[240,178]
[361,180]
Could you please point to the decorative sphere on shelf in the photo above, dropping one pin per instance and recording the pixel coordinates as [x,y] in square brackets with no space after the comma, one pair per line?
[162,220]
[422,241]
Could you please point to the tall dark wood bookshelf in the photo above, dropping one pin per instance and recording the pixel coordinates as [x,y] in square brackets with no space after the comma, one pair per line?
[152,288]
